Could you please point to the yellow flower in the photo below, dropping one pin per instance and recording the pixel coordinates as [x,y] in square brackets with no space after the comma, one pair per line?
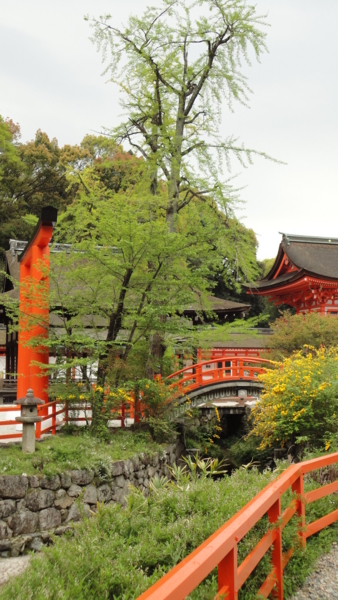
[327,445]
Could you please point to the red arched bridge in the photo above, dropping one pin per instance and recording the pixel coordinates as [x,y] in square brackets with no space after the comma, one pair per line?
[229,383]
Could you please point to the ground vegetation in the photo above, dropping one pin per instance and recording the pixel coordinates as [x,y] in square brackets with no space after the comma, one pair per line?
[119,553]
[75,448]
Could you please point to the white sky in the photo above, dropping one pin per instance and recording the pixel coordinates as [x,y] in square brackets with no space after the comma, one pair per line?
[50,79]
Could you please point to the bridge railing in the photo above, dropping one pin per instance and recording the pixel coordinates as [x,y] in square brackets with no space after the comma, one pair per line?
[220,549]
[231,368]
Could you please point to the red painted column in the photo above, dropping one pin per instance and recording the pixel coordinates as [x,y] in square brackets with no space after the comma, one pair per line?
[23,382]
[34,309]
[40,314]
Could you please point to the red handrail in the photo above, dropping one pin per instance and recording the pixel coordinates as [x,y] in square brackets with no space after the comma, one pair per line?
[40,430]
[233,368]
[220,549]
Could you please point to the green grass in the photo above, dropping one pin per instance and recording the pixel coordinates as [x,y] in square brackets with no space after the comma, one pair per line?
[64,452]
[121,552]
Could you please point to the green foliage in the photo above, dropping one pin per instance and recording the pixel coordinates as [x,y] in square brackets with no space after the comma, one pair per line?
[266,265]
[173,95]
[77,450]
[120,242]
[299,404]
[119,553]
[34,174]
[292,332]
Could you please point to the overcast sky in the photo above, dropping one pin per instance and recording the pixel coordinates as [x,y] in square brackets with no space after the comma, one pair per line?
[50,79]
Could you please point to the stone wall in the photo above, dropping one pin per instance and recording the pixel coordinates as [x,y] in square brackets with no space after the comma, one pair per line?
[34,507]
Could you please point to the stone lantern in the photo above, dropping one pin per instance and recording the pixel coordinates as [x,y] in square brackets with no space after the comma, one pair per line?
[28,417]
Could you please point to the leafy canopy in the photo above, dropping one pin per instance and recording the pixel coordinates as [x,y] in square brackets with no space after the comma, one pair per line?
[292,332]
[175,67]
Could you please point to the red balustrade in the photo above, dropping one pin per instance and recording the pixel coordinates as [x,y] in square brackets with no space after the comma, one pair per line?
[220,549]
[232,368]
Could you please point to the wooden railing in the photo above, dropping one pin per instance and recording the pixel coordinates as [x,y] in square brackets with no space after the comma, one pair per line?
[220,549]
[231,368]
[6,409]
[66,409]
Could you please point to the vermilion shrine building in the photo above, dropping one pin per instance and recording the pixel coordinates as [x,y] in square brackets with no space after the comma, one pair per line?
[304,275]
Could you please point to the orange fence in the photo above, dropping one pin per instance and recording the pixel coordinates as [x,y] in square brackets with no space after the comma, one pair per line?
[57,408]
[220,549]
[207,372]
[5,409]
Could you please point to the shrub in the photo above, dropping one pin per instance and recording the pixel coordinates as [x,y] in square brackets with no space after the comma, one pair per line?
[292,332]
[300,401]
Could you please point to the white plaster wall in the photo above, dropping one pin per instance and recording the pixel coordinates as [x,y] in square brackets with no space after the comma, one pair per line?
[2,365]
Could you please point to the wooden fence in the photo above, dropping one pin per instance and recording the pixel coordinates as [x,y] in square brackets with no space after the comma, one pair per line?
[220,549]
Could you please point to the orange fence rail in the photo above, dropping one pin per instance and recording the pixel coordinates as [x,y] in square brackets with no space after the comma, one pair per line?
[231,368]
[220,549]
[57,408]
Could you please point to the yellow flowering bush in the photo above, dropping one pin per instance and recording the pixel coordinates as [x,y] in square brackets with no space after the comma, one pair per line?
[300,400]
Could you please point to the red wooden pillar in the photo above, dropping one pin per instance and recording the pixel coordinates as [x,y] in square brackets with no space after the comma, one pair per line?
[34,308]
[227,576]
[274,514]
[23,382]
[298,488]
[40,314]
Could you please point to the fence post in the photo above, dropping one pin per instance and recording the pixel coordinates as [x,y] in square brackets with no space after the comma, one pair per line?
[298,488]
[38,427]
[123,414]
[227,576]
[274,514]
[66,412]
[54,419]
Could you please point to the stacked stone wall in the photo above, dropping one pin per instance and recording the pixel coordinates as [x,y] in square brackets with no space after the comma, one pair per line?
[32,508]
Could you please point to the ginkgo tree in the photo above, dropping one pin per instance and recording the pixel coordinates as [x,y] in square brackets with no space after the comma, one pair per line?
[176,66]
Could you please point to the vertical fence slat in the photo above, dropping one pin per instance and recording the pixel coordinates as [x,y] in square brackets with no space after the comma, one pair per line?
[274,514]
[38,427]
[227,574]
[66,413]
[298,488]
[54,419]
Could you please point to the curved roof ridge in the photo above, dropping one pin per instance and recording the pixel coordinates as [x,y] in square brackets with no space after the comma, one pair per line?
[307,239]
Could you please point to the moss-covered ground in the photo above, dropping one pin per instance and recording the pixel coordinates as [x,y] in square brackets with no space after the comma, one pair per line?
[63,451]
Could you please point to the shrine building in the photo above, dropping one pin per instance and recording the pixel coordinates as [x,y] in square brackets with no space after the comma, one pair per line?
[304,275]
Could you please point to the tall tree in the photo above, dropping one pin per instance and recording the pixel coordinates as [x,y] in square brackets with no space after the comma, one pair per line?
[126,269]
[34,174]
[176,66]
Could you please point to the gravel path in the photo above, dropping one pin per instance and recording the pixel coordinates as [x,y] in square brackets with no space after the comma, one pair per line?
[9,567]
[322,584]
